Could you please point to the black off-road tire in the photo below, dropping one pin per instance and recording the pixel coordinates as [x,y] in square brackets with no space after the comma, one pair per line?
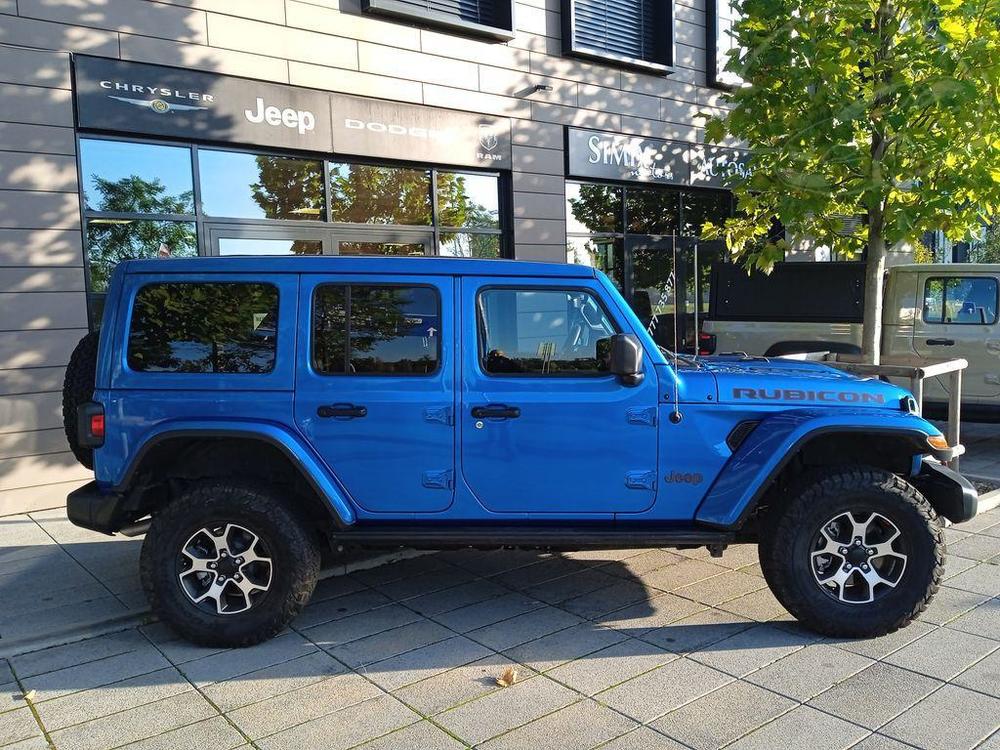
[78,388]
[210,503]
[792,528]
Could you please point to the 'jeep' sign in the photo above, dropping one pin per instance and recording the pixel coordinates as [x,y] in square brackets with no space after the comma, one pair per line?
[129,97]
[150,99]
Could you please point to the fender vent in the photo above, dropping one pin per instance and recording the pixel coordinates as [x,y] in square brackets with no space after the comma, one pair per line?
[740,433]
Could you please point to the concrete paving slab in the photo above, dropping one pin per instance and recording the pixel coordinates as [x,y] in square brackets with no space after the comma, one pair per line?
[236,662]
[654,693]
[654,612]
[802,727]
[751,649]
[943,653]
[611,666]
[983,676]
[722,588]
[983,620]
[643,738]
[566,645]
[95,673]
[361,625]
[136,724]
[723,716]
[697,631]
[475,616]
[419,664]
[875,695]
[808,672]
[345,728]
[581,725]
[950,603]
[506,634]
[923,726]
[277,679]
[500,711]
[982,579]
[877,741]
[438,602]
[389,643]
[16,726]
[460,684]
[213,734]
[423,735]
[287,710]
[11,697]
[595,604]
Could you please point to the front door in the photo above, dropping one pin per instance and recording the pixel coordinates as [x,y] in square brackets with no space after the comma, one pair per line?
[375,387]
[545,428]
[959,319]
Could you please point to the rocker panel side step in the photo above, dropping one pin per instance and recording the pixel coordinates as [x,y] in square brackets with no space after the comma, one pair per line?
[438,536]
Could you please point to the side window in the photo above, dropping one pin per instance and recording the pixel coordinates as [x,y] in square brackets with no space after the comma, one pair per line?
[543,332]
[968,300]
[218,327]
[376,330]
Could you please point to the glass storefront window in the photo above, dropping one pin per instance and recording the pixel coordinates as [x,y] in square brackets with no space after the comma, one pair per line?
[247,246]
[606,254]
[593,208]
[121,177]
[373,194]
[382,248]
[701,206]
[110,241]
[257,186]
[468,200]
[652,211]
[469,245]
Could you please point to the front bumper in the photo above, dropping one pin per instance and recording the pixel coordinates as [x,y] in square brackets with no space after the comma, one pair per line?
[952,495]
[93,509]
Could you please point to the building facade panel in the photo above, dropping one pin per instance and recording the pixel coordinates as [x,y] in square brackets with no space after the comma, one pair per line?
[165,159]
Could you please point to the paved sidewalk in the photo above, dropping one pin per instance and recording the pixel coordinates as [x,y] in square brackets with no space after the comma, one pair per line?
[982,445]
[643,649]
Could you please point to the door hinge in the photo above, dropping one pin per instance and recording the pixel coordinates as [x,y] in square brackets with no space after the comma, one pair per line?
[439,414]
[640,480]
[642,416]
[441,479]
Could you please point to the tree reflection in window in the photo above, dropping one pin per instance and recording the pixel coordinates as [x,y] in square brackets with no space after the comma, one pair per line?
[204,328]
[289,188]
[112,240]
[593,208]
[390,330]
[371,194]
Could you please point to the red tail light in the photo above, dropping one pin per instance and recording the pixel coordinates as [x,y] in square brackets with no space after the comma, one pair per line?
[706,343]
[97,426]
[90,427]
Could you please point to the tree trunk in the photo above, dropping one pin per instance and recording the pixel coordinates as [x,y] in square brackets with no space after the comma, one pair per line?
[871,339]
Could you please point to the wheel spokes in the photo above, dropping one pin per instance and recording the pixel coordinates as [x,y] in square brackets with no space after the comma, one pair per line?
[225,568]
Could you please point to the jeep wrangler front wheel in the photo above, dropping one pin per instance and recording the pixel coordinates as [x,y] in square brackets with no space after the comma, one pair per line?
[227,564]
[855,552]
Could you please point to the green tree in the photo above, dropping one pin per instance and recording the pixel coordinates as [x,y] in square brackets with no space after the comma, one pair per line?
[884,109]
[987,249]
[110,241]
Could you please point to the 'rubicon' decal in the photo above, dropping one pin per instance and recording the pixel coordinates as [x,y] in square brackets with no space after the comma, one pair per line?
[792,394]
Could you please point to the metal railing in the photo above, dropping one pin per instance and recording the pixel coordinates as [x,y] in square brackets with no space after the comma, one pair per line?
[915,370]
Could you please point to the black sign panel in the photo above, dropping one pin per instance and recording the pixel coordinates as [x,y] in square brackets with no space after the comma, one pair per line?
[139,98]
[151,99]
[370,127]
[613,156]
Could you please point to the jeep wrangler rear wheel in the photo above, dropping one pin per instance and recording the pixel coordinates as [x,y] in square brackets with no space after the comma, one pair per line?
[227,564]
[855,552]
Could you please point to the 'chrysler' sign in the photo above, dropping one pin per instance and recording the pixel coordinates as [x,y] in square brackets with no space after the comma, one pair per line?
[613,156]
[151,99]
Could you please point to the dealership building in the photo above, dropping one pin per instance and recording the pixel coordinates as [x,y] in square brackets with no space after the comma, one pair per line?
[546,130]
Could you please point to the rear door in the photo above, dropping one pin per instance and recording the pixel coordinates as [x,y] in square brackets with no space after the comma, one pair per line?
[375,387]
[959,319]
[546,429]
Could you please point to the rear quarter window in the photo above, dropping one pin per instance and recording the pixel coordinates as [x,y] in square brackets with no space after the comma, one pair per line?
[198,327]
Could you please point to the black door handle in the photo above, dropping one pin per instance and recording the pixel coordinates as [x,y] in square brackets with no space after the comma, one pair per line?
[342,410]
[940,342]
[495,411]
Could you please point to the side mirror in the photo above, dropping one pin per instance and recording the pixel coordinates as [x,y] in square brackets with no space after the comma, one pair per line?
[626,358]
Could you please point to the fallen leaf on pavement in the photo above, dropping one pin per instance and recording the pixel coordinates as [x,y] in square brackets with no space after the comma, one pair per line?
[508,678]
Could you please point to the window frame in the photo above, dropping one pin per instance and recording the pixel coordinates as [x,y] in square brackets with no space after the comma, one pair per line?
[481,331]
[406,11]
[944,301]
[663,64]
[161,281]
[347,319]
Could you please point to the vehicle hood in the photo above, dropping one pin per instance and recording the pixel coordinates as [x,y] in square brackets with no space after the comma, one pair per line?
[794,382]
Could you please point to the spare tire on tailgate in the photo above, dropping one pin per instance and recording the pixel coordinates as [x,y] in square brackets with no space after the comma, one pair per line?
[78,388]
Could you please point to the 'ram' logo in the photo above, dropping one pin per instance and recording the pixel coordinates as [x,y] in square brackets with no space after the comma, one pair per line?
[794,394]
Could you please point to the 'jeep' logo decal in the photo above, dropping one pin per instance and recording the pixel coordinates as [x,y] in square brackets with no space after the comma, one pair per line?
[792,394]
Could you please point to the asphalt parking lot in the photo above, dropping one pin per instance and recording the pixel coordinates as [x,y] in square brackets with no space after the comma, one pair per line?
[636,649]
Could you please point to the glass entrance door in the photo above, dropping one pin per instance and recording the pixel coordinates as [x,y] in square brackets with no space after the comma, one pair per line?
[237,239]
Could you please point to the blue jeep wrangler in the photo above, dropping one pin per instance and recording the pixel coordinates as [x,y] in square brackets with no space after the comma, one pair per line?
[250,413]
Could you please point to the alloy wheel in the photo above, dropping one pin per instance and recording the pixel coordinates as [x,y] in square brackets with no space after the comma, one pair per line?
[858,557]
[225,569]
